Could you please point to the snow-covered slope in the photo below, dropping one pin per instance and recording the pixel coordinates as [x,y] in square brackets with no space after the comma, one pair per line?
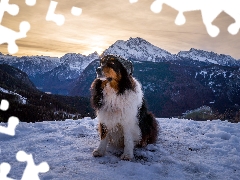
[31,65]
[21,99]
[59,79]
[78,61]
[38,65]
[139,49]
[185,150]
[73,64]
[7,58]
[210,57]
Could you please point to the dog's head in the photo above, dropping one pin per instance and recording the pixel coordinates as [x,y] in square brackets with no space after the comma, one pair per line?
[116,70]
[113,68]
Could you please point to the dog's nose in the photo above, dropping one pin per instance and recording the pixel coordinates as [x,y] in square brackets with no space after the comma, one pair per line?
[99,70]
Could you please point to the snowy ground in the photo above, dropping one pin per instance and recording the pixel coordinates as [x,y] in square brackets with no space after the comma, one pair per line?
[185,150]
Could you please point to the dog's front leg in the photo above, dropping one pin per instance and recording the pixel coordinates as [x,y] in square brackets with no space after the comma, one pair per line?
[128,145]
[100,151]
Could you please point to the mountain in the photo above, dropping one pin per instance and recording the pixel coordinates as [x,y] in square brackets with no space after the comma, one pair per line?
[209,57]
[13,78]
[54,75]
[140,49]
[83,83]
[59,80]
[73,65]
[31,105]
[31,65]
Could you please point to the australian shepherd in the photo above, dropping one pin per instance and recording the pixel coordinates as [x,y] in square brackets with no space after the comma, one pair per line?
[117,98]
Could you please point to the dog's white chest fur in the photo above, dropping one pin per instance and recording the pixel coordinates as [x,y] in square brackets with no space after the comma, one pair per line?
[121,110]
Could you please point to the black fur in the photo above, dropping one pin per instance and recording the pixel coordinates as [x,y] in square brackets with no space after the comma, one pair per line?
[148,125]
[96,94]
[126,82]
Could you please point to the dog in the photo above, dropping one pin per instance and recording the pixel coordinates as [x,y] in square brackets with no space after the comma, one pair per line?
[121,110]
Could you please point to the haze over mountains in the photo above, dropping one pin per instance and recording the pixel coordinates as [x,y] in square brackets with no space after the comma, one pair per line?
[172,83]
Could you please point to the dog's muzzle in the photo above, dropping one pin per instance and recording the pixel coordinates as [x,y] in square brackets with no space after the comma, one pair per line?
[100,74]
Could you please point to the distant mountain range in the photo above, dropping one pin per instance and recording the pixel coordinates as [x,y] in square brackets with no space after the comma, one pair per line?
[208,57]
[172,83]
[141,50]
[50,74]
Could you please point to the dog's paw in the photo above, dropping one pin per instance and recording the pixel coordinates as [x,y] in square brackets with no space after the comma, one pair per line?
[126,157]
[97,153]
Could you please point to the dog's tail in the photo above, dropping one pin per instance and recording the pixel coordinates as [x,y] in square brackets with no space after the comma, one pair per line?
[148,126]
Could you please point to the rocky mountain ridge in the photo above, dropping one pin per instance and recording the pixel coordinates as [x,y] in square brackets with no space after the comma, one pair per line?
[142,50]
[51,74]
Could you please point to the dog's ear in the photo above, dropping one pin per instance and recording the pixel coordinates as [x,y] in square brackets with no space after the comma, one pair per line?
[128,65]
[96,94]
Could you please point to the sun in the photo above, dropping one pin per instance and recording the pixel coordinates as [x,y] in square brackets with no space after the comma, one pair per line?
[86,46]
[95,43]
[93,49]
[99,50]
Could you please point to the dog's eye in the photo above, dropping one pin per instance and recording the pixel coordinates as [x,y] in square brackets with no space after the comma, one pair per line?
[112,62]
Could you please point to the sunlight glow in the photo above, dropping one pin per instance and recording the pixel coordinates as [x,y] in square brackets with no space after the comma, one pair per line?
[92,49]
[95,43]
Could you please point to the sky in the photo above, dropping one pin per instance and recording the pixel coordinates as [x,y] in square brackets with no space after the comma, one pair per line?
[104,22]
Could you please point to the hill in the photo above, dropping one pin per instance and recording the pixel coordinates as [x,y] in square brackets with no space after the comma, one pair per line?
[31,105]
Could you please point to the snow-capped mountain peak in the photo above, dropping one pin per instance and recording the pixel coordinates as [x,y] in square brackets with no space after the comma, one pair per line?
[78,62]
[138,49]
[32,65]
[210,57]
[93,56]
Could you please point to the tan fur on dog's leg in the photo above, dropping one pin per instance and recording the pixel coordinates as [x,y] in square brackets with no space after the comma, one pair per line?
[100,151]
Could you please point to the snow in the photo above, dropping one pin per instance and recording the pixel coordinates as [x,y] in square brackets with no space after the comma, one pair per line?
[34,65]
[196,75]
[211,57]
[21,99]
[204,73]
[211,75]
[212,61]
[138,49]
[185,149]
[75,63]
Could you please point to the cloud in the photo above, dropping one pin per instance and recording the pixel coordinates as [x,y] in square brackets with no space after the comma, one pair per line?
[104,22]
